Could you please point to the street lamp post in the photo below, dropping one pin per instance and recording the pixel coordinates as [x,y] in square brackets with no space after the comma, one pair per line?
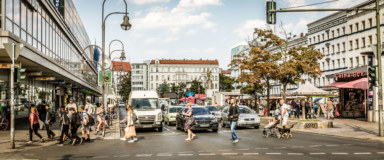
[13,51]
[125,26]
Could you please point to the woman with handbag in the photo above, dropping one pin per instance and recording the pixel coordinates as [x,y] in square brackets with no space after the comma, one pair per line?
[189,122]
[130,131]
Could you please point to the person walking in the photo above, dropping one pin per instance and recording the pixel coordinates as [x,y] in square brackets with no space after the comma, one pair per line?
[100,112]
[330,108]
[284,113]
[50,119]
[315,109]
[233,116]
[298,109]
[70,105]
[189,122]
[42,114]
[85,125]
[130,131]
[75,120]
[64,121]
[34,125]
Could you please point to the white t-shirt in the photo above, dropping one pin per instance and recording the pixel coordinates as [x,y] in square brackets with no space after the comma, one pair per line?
[89,107]
[73,105]
[285,106]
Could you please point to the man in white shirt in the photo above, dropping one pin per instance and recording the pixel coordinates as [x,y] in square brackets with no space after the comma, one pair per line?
[89,107]
[71,105]
[284,113]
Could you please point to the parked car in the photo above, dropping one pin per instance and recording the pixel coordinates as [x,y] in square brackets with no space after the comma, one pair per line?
[203,119]
[247,118]
[215,112]
[170,114]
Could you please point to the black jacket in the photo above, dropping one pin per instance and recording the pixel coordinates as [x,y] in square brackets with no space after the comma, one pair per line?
[234,111]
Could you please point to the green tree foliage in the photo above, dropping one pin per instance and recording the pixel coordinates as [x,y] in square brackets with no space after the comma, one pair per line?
[196,87]
[163,88]
[226,83]
[124,87]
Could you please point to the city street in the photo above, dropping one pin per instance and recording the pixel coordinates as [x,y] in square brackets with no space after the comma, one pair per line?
[170,144]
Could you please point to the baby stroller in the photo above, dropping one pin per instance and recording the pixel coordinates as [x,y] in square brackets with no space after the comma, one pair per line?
[270,129]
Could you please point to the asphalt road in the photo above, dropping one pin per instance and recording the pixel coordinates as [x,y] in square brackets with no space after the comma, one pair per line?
[170,144]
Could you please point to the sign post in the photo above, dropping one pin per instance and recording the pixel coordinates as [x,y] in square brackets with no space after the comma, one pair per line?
[13,51]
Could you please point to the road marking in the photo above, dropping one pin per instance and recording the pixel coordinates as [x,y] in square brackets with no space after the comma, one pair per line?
[207,154]
[297,146]
[100,157]
[250,154]
[296,154]
[244,149]
[123,156]
[224,150]
[143,155]
[317,153]
[380,152]
[280,147]
[315,146]
[273,153]
[164,154]
[339,153]
[185,154]
[206,151]
[229,154]
[261,148]
[362,153]
[332,145]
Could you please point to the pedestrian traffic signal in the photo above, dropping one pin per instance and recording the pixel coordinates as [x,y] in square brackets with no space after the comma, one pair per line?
[17,75]
[271,17]
[372,75]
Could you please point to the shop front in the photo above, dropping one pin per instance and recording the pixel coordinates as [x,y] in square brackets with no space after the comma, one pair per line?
[352,85]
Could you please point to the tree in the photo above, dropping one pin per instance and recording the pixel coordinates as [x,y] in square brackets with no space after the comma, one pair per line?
[173,88]
[196,87]
[226,83]
[124,87]
[179,89]
[163,88]
[260,66]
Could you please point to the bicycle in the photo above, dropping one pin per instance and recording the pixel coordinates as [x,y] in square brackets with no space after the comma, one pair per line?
[3,123]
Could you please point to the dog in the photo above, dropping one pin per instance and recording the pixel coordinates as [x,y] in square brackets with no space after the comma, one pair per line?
[286,132]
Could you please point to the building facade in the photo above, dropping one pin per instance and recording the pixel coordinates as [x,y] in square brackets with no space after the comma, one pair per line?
[183,71]
[54,39]
[119,70]
[240,49]
[140,76]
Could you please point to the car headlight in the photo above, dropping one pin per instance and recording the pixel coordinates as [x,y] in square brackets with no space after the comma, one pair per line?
[159,116]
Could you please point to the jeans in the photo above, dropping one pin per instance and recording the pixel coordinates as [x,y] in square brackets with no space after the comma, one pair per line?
[49,130]
[233,130]
[64,131]
[34,129]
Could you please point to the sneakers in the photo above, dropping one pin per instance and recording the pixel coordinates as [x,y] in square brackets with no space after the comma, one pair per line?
[135,139]
[88,140]
[60,145]
[131,141]
[29,142]
[235,141]
[123,139]
[81,141]
[74,142]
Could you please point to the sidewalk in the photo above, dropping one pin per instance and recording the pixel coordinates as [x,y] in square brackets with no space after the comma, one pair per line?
[22,136]
[349,128]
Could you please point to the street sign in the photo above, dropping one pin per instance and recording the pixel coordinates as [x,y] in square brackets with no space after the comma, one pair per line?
[188,94]
[7,65]
[44,78]
[35,73]
[107,77]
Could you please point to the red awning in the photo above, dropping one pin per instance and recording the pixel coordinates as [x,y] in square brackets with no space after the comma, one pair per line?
[361,83]
[334,84]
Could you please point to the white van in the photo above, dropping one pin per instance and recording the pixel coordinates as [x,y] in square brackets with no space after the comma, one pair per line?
[147,109]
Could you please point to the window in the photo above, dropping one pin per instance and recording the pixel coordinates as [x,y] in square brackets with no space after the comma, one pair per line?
[343,46]
[350,28]
[343,62]
[322,36]
[151,85]
[333,64]
[310,41]
[357,61]
[333,49]
[343,30]
[370,40]
[162,77]
[328,65]
[351,62]
[363,23]
[364,61]
[338,63]
[157,69]
[338,48]
[357,43]
[357,27]
[363,42]
[169,77]
[157,78]
[323,50]
[323,81]
[370,22]
[333,34]
[314,39]
[338,32]
[350,45]
[318,38]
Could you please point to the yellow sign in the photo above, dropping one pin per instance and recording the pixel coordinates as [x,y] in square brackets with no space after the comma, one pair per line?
[44,78]
[8,65]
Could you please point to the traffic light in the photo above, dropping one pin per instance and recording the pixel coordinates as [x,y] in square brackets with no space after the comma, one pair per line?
[372,75]
[271,17]
[17,75]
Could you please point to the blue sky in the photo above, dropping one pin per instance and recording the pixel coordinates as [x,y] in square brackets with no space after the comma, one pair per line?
[190,29]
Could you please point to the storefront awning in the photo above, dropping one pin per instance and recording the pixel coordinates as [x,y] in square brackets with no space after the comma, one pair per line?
[361,83]
[334,84]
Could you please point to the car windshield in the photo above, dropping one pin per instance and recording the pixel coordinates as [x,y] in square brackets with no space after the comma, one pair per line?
[174,110]
[212,108]
[198,111]
[245,110]
[163,102]
[151,103]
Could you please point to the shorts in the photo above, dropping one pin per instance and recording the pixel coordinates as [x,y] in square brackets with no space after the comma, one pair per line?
[85,127]
[284,120]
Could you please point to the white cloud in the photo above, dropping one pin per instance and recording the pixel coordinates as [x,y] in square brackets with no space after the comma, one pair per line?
[157,53]
[161,40]
[142,2]
[191,32]
[186,5]
[138,13]
[246,29]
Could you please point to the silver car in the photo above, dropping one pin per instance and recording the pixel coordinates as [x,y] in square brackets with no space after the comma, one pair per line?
[247,118]
[214,111]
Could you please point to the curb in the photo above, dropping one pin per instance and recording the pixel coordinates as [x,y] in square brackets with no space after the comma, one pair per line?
[336,136]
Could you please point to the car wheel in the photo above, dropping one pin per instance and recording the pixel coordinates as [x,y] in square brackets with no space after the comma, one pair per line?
[257,127]
[160,129]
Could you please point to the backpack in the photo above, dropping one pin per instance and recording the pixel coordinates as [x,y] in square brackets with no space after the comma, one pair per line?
[307,104]
[134,118]
[91,120]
